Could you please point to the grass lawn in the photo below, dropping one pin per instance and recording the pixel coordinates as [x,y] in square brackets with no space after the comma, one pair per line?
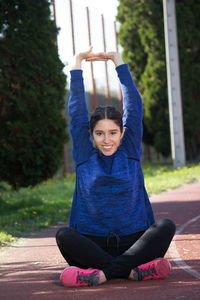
[30,209]
[160,177]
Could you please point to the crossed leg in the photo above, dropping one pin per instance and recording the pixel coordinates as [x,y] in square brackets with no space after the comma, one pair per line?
[82,252]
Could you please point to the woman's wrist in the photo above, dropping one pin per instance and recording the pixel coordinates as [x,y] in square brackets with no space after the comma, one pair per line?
[117,59]
[76,63]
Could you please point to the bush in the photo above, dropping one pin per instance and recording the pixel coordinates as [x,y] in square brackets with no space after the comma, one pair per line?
[142,37]
[32,129]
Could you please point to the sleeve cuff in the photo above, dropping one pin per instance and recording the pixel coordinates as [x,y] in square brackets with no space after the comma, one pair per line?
[76,73]
[122,68]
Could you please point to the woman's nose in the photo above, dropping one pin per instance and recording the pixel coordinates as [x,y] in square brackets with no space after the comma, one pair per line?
[106,138]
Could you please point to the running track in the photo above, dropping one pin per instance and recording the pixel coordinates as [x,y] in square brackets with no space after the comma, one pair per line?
[30,268]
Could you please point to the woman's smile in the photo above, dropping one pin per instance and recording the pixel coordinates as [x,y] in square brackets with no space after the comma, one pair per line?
[107,148]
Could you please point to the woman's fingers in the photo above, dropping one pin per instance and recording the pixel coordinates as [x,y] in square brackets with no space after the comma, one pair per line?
[89,52]
[85,54]
[92,60]
[96,58]
[101,56]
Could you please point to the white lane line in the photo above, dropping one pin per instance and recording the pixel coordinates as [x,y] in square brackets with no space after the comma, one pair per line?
[175,254]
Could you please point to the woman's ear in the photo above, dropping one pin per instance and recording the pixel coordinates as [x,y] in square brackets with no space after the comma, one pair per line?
[122,134]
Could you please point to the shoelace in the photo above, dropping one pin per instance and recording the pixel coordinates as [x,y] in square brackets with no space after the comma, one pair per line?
[92,278]
[141,273]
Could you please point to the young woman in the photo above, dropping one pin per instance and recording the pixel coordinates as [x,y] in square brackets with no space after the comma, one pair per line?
[112,232]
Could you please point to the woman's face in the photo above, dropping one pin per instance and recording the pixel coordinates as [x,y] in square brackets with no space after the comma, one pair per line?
[107,136]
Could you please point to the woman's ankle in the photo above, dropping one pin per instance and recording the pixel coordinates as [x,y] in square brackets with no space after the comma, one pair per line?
[102,277]
[131,276]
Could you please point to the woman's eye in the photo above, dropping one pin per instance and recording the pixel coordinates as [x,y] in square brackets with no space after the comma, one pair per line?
[98,133]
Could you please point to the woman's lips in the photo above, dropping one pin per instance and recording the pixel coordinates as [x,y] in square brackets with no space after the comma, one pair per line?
[107,147]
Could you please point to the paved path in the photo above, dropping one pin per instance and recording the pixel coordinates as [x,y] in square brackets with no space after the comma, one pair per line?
[30,269]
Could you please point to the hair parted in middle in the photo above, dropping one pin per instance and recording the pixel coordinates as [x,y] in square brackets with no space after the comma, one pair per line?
[106,112]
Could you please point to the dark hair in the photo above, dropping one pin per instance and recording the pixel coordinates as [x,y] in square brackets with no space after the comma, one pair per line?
[106,112]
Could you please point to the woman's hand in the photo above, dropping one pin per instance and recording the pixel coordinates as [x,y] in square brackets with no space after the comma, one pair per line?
[85,55]
[78,58]
[90,56]
[104,56]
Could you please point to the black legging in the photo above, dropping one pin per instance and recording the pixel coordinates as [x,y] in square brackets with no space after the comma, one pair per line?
[115,256]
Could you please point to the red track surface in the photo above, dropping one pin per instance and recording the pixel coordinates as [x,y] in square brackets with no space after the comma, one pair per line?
[30,268]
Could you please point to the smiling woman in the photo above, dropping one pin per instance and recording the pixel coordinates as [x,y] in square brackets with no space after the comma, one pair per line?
[106,129]
[107,136]
[112,232]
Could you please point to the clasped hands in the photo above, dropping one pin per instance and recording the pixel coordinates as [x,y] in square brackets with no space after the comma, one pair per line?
[101,56]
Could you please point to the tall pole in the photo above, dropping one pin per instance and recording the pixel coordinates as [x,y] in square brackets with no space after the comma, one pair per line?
[174,87]
[117,49]
[108,99]
[94,95]
[72,26]
[63,113]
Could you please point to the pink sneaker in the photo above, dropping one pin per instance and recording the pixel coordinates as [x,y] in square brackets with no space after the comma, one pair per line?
[155,269]
[74,276]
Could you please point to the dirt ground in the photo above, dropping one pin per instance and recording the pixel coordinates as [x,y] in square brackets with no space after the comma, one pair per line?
[30,268]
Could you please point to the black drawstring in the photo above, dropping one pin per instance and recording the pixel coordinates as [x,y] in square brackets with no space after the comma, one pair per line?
[113,235]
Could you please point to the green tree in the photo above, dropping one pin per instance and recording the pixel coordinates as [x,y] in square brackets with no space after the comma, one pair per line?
[142,36]
[188,26]
[32,83]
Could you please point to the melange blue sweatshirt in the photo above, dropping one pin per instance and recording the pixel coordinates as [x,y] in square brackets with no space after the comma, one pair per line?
[109,195]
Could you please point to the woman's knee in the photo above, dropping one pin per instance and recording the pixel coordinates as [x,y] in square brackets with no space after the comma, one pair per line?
[167,225]
[64,234]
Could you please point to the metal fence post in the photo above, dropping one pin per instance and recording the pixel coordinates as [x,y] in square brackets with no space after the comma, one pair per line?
[94,95]
[108,99]
[117,49]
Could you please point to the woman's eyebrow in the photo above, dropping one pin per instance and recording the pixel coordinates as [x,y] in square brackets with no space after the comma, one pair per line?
[99,130]
[114,130]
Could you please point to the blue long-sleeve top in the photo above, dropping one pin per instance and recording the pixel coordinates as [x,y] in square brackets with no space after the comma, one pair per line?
[109,193]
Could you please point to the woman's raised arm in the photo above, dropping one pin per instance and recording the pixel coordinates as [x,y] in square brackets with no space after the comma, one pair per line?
[79,123]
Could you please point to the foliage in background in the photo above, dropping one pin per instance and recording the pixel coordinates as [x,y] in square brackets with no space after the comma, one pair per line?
[49,203]
[30,209]
[188,13]
[142,37]
[32,83]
